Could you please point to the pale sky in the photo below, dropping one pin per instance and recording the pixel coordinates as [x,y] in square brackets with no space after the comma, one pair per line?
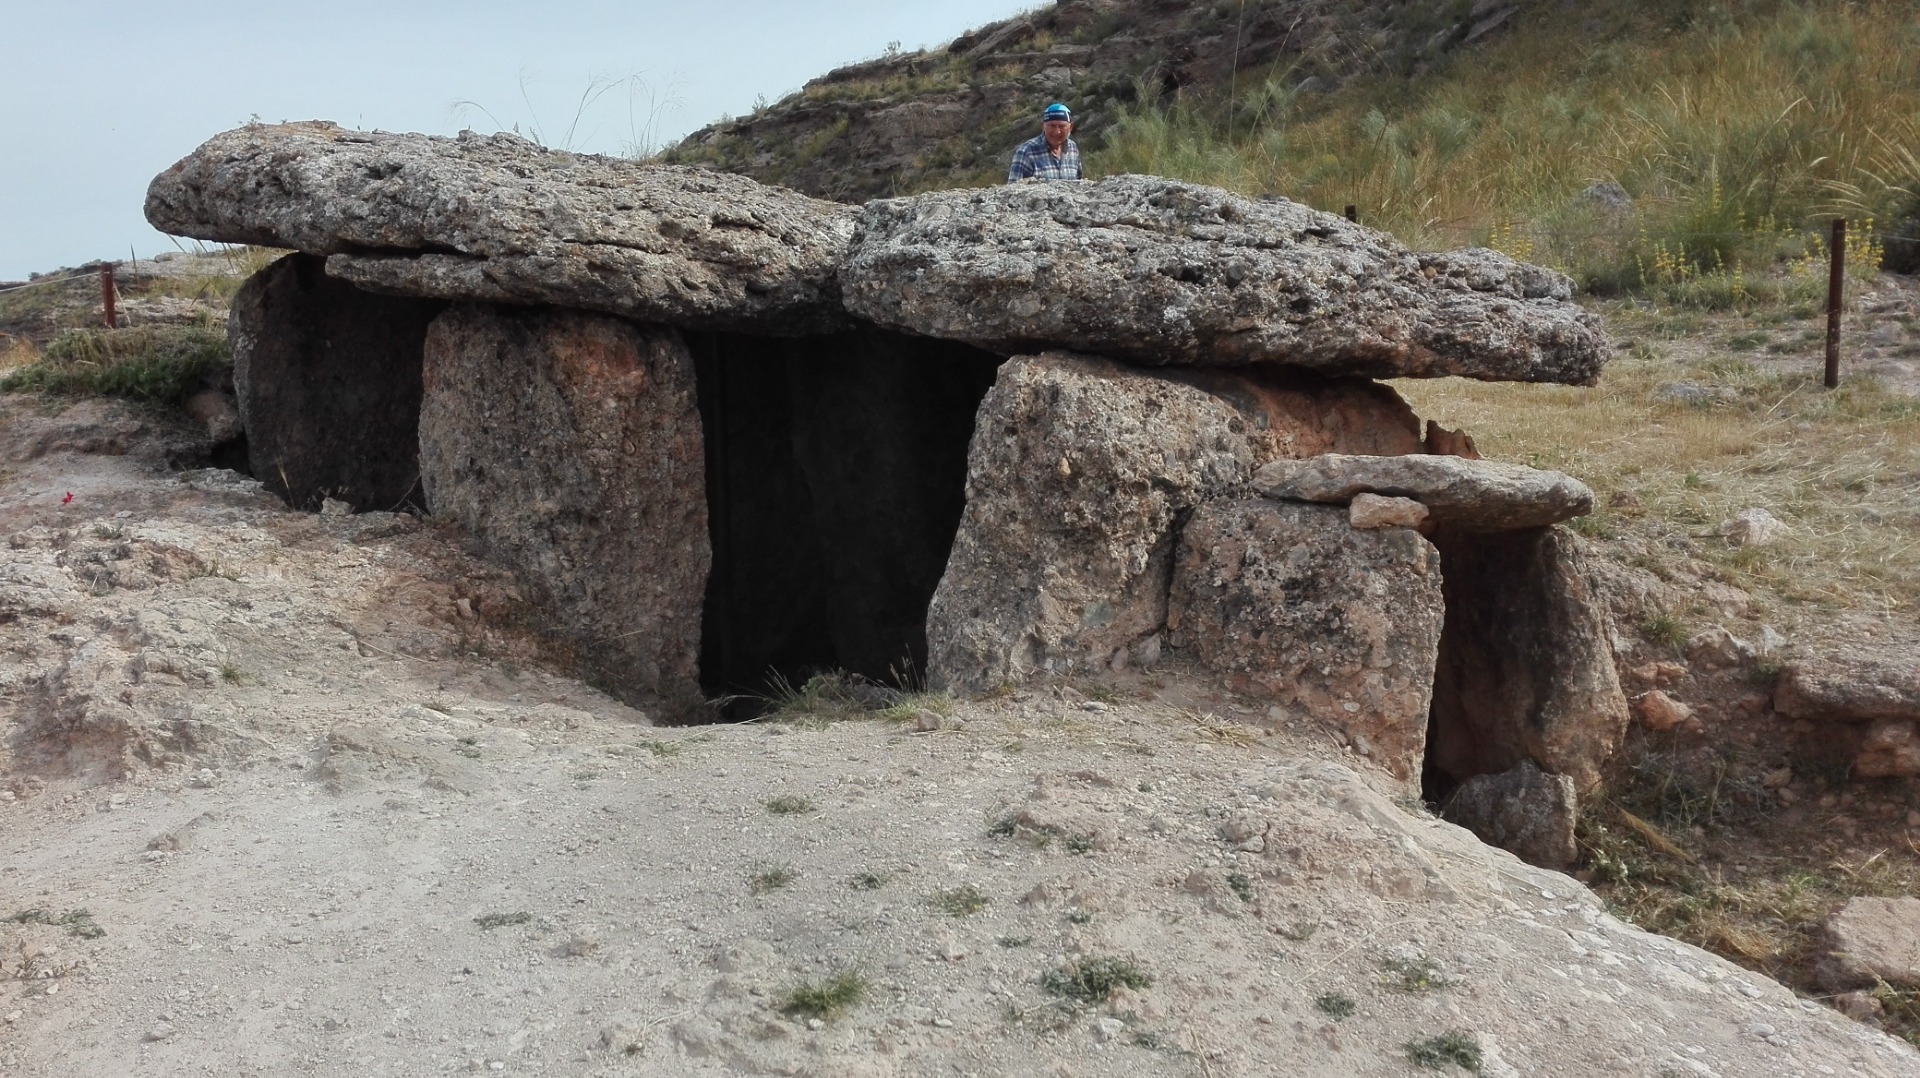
[97,96]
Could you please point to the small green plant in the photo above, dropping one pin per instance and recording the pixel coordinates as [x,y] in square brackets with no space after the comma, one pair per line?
[161,364]
[788,805]
[490,921]
[1448,1049]
[771,880]
[664,749]
[1336,1005]
[232,674]
[1420,974]
[867,881]
[109,532]
[1011,942]
[1241,885]
[77,922]
[964,901]
[468,747]
[1095,980]
[1079,844]
[824,999]
[1080,917]
[1665,630]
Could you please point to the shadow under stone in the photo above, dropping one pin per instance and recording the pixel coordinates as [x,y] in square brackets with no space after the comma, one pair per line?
[836,476]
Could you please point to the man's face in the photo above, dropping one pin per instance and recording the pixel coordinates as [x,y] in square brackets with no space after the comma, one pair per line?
[1056,132]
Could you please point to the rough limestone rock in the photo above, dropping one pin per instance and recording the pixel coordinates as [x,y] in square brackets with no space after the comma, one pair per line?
[1156,271]
[1753,527]
[1524,811]
[328,384]
[569,446]
[1078,473]
[1872,940]
[496,217]
[1659,712]
[1891,749]
[1374,511]
[1287,602]
[1526,669]
[1469,495]
[1859,688]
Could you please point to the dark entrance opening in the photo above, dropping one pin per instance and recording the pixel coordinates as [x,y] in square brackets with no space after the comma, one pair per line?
[836,476]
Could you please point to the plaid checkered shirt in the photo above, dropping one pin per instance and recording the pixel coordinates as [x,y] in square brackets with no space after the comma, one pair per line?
[1033,159]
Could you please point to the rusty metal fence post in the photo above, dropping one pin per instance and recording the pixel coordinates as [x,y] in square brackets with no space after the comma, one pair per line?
[106,294]
[1836,288]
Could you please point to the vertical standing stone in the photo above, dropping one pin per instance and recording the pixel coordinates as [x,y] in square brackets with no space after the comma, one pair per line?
[328,380]
[569,446]
[1078,476]
[1287,602]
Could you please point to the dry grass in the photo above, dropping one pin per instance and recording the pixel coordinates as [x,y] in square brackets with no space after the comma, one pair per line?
[17,352]
[1722,124]
[1841,467]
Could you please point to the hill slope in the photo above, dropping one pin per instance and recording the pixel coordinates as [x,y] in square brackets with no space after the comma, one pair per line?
[949,117]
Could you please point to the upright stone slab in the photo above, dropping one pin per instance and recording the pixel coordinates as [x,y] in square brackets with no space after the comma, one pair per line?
[1079,471]
[1287,602]
[569,446]
[328,380]
[1526,669]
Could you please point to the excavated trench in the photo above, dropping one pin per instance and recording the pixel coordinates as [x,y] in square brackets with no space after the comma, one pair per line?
[836,476]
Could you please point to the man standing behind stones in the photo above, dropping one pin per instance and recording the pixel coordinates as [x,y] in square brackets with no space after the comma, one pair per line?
[1050,155]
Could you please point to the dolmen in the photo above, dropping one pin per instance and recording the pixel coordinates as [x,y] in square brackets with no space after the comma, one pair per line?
[973,437]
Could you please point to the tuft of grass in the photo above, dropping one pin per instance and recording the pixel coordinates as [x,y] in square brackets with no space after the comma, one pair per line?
[825,999]
[1096,979]
[77,922]
[1242,885]
[963,901]
[1079,844]
[832,696]
[1080,917]
[1420,974]
[1011,942]
[468,747]
[1665,630]
[771,880]
[159,364]
[490,921]
[867,881]
[1336,1005]
[664,749]
[1446,1050]
[232,674]
[788,805]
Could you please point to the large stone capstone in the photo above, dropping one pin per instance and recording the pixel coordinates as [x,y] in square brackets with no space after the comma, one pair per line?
[1079,472]
[1288,602]
[498,218]
[569,446]
[1159,272]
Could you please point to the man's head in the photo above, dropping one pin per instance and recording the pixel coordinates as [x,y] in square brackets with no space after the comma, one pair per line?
[1056,124]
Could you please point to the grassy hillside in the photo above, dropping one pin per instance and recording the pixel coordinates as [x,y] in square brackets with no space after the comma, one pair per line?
[1734,129]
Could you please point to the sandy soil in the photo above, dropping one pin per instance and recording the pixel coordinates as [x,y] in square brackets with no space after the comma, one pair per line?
[327,813]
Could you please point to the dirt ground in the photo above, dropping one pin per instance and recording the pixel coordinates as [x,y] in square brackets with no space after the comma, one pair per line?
[289,793]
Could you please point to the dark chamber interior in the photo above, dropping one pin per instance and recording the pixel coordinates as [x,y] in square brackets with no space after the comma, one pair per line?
[836,476]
